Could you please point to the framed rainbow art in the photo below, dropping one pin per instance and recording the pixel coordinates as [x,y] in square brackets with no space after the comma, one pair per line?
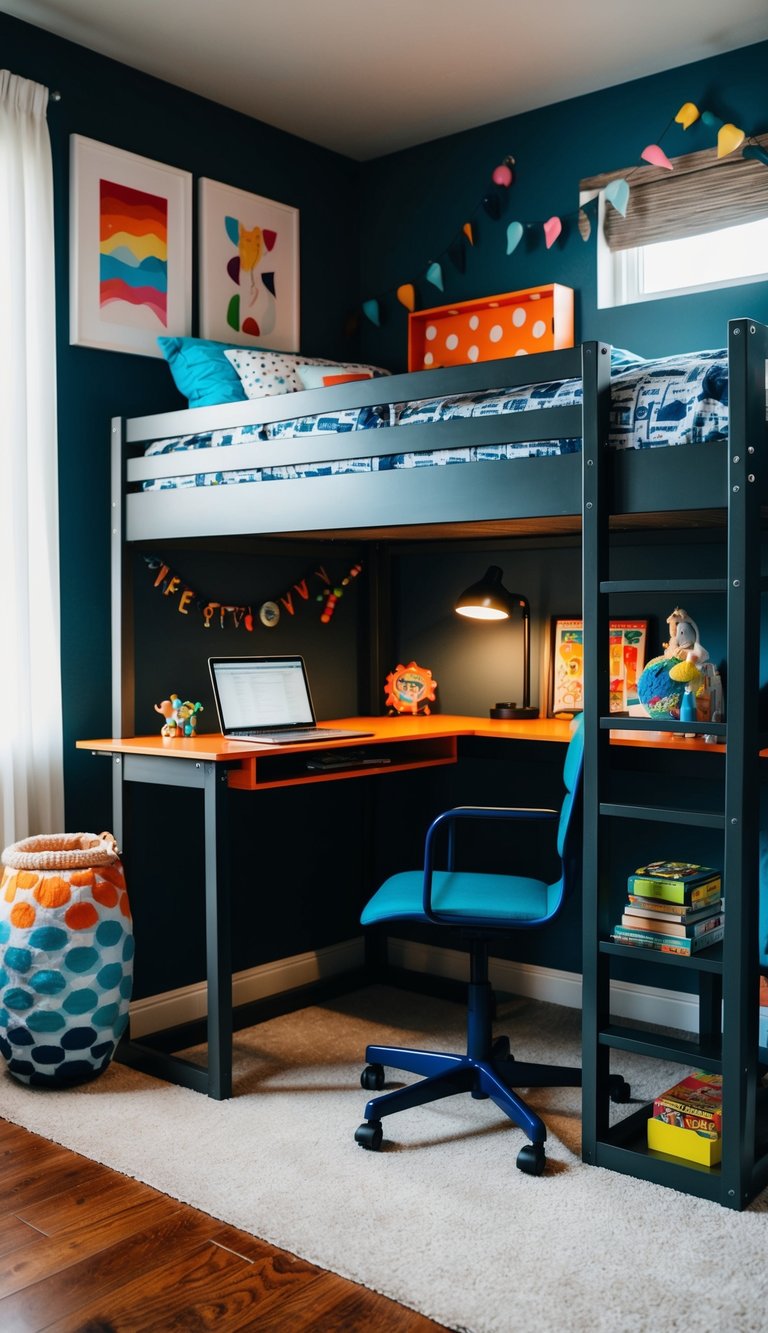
[130,249]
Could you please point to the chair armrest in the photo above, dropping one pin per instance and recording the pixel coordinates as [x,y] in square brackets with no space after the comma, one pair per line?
[449,819]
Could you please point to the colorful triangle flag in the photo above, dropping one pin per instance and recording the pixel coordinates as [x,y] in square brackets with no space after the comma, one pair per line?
[687,115]
[372,312]
[434,275]
[616,193]
[552,229]
[656,156]
[406,295]
[514,236]
[729,138]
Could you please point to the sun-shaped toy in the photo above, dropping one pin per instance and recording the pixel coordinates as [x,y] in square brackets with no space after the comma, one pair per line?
[410,689]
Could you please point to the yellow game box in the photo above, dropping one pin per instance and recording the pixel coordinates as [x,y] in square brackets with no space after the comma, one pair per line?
[685,1143]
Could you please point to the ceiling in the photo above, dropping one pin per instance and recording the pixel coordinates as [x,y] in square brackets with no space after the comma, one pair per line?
[367,78]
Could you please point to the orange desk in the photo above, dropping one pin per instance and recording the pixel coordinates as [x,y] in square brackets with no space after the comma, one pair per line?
[212,765]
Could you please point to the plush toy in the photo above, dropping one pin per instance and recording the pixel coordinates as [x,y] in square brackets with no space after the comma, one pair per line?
[682,683]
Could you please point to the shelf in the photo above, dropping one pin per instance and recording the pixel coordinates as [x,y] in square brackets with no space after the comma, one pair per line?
[293,769]
[614,722]
[709,960]
[658,1046]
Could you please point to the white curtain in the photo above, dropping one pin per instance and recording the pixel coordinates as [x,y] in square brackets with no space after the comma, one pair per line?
[31,779]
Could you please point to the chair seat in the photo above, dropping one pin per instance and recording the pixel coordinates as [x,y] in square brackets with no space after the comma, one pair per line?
[465,895]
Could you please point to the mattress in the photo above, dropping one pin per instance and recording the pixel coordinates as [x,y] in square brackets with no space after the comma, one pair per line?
[654,404]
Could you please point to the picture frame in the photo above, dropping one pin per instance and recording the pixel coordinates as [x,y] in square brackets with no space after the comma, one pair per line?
[130,249]
[627,644]
[249,268]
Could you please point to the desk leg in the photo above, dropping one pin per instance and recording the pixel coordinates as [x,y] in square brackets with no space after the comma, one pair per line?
[218,933]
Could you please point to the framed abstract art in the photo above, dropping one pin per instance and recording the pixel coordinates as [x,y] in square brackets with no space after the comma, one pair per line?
[249,269]
[130,249]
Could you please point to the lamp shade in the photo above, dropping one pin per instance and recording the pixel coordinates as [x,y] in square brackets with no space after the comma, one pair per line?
[486,600]
[490,600]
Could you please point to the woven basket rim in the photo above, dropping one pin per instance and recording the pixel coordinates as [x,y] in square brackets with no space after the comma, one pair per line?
[61,851]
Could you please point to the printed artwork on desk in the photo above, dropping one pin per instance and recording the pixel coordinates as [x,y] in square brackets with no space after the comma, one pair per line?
[249,269]
[626,648]
[130,249]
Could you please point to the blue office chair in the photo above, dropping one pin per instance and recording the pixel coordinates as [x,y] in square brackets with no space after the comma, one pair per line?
[481,906]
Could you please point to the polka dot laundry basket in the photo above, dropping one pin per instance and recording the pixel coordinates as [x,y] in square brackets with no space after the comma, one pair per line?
[66,957]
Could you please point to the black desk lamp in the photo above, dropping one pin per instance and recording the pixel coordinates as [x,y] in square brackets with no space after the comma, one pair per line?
[489,600]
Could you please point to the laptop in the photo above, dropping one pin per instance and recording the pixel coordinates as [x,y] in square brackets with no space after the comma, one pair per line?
[267,700]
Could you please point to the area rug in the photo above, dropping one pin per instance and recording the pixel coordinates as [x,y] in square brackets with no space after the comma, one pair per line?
[441,1219]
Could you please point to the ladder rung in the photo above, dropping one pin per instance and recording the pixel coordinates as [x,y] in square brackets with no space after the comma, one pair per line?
[663,814]
[675,586]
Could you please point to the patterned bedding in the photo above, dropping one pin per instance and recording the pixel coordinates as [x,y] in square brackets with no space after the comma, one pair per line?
[654,404]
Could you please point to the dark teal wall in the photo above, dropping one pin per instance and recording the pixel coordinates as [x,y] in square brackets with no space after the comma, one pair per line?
[114,104]
[414,203]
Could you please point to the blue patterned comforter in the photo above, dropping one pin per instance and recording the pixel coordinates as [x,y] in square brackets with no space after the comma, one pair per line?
[654,404]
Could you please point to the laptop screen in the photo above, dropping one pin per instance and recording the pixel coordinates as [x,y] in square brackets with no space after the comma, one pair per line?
[261,692]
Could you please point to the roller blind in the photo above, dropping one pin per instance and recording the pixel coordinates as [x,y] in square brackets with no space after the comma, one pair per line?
[702,193]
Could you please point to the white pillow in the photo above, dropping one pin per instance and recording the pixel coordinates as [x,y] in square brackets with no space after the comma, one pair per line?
[263,373]
[336,372]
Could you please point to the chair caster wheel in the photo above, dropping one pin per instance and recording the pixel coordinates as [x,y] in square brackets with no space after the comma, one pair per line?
[500,1049]
[618,1088]
[372,1078]
[532,1159]
[369,1135]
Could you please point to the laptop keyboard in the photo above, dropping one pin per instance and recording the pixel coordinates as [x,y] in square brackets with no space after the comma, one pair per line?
[298,737]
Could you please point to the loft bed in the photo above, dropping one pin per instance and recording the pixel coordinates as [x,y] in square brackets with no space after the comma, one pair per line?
[377,457]
[491,449]
[715,475]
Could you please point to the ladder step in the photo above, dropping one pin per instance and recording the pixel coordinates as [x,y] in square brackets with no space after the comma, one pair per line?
[675,586]
[663,814]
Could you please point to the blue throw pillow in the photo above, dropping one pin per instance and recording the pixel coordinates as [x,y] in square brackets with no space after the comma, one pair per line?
[622,360]
[201,371]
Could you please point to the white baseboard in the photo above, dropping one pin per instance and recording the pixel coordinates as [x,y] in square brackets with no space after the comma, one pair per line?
[155,1013]
[664,1008]
[675,1009]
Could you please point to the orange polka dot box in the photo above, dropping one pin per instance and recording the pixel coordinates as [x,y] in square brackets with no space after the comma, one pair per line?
[66,957]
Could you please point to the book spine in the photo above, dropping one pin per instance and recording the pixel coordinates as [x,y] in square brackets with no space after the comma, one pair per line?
[672,945]
[704,1122]
[667,943]
[668,891]
[674,911]
[678,929]
[676,1111]
[651,938]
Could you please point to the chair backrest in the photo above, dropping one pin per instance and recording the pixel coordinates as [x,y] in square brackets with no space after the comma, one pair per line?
[569,830]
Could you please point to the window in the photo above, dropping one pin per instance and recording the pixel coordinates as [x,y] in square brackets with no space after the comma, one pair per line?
[703,225]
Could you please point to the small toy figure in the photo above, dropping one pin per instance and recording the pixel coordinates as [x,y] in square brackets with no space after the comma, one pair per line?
[180,716]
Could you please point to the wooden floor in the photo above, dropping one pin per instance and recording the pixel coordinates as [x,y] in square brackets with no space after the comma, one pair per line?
[85,1249]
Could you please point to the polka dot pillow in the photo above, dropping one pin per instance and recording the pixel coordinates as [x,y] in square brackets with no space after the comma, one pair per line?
[263,373]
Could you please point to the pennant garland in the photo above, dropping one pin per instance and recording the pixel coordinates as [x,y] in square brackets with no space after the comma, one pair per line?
[228,616]
[616,193]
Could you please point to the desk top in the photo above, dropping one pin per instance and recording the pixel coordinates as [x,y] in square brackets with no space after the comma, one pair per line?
[384,730]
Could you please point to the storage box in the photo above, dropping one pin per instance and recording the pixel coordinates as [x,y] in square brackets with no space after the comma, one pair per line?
[538,319]
[685,1143]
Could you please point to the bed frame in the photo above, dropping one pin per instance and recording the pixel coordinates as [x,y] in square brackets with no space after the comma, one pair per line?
[591,493]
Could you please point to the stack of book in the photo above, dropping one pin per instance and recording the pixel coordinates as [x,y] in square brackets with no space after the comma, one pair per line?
[687,1119]
[673,906]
